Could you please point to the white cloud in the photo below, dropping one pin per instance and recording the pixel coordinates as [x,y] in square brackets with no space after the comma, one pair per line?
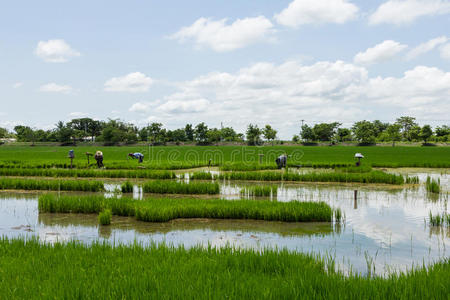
[184,106]
[221,37]
[426,47]
[133,82]
[55,51]
[401,12]
[140,107]
[77,114]
[445,51]
[300,12]
[379,53]
[55,88]
[17,85]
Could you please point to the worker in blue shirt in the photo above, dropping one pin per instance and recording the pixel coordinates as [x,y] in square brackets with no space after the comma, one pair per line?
[137,155]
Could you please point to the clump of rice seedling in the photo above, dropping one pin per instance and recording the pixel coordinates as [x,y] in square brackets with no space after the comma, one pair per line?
[338,215]
[104,218]
[201,176]
[354,169]
[433,185]
[260,191]
[127,187]
[51,185]
[411,179]
[173,187]
[439,219]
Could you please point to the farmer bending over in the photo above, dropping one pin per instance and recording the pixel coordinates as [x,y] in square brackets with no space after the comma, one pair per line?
[137,155]
[99,158]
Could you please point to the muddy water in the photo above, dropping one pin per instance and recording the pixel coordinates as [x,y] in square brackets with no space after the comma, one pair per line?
[385,227]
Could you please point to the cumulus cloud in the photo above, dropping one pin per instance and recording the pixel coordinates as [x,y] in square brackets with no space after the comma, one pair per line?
[222,37]
[426,47]
[77,114]
[55,88]
[133,82]
[17,85]
[379,53]
[283,94]
[55,51]
[445,51]
[401,12]
[300,12]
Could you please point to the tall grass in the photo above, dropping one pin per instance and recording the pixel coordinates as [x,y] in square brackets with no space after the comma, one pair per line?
[127,187]
[260,191]
[439,219]
[150,174]
[370,177]
[104,218]
[201,176]
[433,185]
[51,185]
[104,271]
[163,210]
[174,187]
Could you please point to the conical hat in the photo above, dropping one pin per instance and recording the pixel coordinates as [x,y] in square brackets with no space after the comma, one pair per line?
[99,153]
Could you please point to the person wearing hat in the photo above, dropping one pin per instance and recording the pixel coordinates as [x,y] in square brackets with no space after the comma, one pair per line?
[99,158]
[137,155]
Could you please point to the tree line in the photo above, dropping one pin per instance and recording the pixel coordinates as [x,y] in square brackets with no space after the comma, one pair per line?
[114,132]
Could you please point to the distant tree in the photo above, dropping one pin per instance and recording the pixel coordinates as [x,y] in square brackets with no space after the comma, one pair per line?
[393,133]
[253,135]
[228,134]
[270,134]
[426,133]
[379,127]
[177,135]
[189,132]
[307,134]
[325,131]
[65,134]
[143,134]
[442,130]
[201,133]
[344,135]
[155,133]
[414,133]
[4,133]
[24,134]
[296,138]
[214,135]
[364,132]
[406,123]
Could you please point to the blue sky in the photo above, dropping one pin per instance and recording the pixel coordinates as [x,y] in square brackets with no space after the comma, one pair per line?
[235,62]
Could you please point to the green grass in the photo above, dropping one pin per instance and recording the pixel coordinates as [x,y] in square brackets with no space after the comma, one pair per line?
[30,172]
[260,190]
[370,177]
[439,219]
[127,187]
[182,157]
[104,218]
[51,185]
[433,185]
[175,187]
[166,209]
[32,270]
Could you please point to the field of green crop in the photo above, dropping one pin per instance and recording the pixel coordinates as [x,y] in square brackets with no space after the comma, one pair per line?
[30,269]
[166,209]
[231,157]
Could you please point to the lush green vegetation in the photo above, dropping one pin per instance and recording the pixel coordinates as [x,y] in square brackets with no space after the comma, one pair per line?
[370,177]
[439,219]
[231,157]
[166,209]
[175,187]
[260,190]
[100,271]
[51,185]
[104,218]
[127,187]
[433,185]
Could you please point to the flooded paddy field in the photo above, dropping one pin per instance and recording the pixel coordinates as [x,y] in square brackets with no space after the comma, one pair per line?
[386,228]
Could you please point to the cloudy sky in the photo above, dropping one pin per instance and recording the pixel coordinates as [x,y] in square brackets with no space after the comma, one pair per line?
[235,62]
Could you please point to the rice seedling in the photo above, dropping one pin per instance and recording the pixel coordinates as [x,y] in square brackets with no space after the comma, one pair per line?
[439,219]
[433,185]
[260,191]
[411,179]
[174,187]
[51,185]
[127,187]
[201,176]
[166,209]
[104,218]
[104,271]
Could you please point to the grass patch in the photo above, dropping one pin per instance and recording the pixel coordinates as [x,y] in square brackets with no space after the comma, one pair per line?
[166,209]
[439,219]
[175,187]
[260,191]
[51,185]
[104,218]
[127,187]
[433,185]
[103,271]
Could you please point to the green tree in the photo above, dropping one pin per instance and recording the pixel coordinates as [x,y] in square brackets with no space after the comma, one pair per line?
[214,135]
[393,133]
[406,123]
[307,134]
[442,130]
[4,133]
[253,135]
[426,133]
[64,133]
[270,134]
[189,132]
[364,132]
[414,133]
[228,134]
[325,131]
[201,133]
[344,135]
[379,127]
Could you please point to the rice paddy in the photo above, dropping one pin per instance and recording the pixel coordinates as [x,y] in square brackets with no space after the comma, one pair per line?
[51,185]
[260,191]
[166,209]
[174,187]
[433,185]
